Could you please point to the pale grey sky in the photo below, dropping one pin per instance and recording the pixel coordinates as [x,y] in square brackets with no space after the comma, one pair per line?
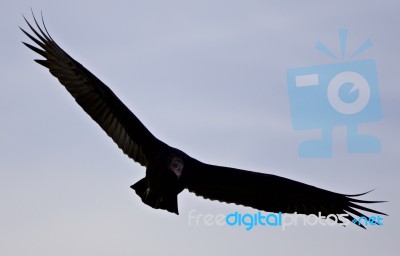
[208,77]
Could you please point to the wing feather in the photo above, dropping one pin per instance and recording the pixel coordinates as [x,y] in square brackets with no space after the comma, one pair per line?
[96,99]
[269,193]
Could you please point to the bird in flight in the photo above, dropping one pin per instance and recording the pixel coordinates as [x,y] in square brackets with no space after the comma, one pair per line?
[169,170]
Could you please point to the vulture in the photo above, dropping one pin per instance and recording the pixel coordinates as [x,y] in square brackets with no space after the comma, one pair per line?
[169,170]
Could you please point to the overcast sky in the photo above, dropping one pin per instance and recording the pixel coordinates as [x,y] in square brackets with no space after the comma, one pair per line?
[208,77]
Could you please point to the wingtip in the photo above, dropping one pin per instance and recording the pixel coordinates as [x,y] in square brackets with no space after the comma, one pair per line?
[44,63]
[361,194]
[23,16]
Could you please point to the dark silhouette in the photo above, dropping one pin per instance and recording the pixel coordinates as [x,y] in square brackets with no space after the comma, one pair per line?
[170,170]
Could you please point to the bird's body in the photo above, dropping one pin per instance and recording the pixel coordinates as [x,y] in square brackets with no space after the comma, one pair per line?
[169,170]
[164,180]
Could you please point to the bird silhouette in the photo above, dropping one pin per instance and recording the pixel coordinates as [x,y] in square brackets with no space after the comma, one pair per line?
[169,170]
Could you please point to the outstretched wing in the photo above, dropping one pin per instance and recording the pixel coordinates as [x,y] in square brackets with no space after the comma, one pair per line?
[95,98]
[270,193]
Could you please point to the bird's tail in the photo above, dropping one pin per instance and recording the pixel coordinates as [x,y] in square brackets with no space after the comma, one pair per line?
[153,199]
